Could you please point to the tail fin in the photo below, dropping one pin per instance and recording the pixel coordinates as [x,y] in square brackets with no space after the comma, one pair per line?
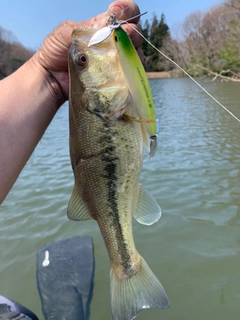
[130,295]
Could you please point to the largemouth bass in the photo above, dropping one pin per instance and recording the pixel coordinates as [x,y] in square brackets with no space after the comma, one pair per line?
[106,150]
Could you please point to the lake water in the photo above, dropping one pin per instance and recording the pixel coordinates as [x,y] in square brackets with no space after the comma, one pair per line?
[195,176]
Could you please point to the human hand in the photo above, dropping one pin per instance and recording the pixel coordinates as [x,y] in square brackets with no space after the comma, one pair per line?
[53,55]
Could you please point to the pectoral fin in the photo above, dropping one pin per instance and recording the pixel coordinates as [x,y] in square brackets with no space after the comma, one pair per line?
[147,210]
[77,210]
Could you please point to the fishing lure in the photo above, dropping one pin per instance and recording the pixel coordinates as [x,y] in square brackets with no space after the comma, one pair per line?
[135,76]
[112,23]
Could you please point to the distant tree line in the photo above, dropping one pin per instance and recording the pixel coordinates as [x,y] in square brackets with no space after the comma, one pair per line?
[12,53]
[156,33]
[207,43]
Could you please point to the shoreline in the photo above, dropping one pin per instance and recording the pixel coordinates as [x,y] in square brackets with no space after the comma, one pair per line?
[158,75]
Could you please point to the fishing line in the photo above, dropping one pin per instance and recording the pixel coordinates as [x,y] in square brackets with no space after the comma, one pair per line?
[185,72]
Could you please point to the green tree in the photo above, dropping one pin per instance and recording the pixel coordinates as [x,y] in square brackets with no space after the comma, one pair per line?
[156,33]
[231,52]
[145,32]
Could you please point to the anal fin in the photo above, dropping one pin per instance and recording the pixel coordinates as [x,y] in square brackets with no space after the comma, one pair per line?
[147,210]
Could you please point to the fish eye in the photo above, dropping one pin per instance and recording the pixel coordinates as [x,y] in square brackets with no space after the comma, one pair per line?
[81,60]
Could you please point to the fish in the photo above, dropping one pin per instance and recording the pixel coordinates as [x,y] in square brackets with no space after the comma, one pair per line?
[106,152]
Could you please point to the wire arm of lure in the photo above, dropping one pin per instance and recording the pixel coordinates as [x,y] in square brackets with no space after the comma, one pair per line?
[112,23]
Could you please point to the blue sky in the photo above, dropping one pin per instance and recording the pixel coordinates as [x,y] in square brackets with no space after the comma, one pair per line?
[31,20]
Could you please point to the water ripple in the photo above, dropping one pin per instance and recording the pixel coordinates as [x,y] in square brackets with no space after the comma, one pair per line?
[194,248]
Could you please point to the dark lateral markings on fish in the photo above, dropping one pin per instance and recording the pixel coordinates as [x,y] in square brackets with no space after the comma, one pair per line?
[111,169]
